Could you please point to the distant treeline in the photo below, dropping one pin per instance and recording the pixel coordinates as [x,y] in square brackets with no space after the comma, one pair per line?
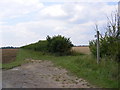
[9,47]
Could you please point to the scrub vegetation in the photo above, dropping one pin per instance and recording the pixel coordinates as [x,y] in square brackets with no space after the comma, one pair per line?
[105,74]
[58,50]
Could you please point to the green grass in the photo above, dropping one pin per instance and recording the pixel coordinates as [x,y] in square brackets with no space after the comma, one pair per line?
[103,75]
[20,59]
[0,65]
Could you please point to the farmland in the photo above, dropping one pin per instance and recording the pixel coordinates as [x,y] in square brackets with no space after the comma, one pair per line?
[9,55]
[81,49]
[103,75]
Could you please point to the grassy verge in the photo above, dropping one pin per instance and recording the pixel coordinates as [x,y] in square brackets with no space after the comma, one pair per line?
[103,75]
[0,65]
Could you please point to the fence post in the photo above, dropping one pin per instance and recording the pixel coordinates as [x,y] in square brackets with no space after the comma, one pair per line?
[98,49]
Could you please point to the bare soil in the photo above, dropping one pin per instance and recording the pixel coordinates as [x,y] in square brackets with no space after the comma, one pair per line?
[41,74]
[9,55]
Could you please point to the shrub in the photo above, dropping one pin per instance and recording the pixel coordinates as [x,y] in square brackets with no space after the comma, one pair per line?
[110,41]
[41,46]
[92,46]
[59,45]
[109,47]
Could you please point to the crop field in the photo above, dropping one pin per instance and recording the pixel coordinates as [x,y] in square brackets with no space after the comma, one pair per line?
[9,55]
[81,49]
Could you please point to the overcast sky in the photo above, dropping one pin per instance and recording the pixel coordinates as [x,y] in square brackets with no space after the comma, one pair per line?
[27,21]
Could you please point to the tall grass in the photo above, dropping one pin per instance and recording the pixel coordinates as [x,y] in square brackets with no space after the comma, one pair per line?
[104,74]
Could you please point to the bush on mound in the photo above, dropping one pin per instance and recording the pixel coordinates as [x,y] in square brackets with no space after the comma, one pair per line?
[59,45]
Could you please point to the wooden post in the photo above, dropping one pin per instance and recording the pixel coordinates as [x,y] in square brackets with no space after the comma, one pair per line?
[119,16]
[98,49]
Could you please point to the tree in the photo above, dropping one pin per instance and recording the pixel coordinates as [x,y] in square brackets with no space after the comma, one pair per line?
[110,41]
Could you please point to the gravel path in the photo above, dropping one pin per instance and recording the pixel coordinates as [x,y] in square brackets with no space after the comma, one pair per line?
[40,74]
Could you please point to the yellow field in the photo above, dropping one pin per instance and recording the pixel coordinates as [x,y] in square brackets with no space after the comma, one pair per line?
[81,49]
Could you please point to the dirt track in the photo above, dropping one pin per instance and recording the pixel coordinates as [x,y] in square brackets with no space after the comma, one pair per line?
[40,74]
